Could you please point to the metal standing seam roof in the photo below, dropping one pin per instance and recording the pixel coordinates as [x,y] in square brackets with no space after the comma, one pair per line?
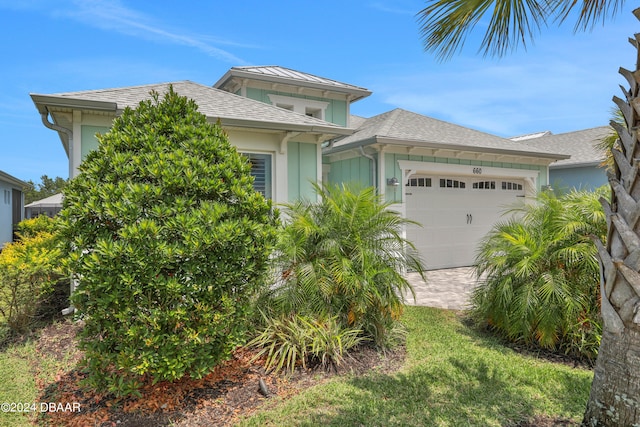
[581,145]
[214,103]
[408,128]
[278,74]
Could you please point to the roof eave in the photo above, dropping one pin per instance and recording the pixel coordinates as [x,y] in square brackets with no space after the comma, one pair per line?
[575,165]
[443,146]
[281,126]
[42,103]
[357,93]
[12,180]
[45,102]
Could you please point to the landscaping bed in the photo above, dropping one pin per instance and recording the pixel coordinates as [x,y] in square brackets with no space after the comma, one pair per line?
[215,400]
[447,374]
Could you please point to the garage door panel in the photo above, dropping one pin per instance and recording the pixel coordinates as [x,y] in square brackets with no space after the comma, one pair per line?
[455,219]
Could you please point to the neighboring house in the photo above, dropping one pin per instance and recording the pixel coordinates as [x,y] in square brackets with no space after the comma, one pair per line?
[583,170]
[297,128]
[49,206]
[11,206]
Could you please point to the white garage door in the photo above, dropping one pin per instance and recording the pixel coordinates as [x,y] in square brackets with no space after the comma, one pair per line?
[455,213]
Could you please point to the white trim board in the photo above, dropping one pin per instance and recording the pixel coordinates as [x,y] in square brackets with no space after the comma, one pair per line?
[410,167]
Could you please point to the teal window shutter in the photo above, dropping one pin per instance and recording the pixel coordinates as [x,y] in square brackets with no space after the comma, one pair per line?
[261,172]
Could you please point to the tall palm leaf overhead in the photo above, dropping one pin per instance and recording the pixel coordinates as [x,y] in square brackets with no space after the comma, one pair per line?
[615,392]
[445,24]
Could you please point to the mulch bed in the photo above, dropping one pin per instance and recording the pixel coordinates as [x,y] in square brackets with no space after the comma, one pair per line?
[230,391]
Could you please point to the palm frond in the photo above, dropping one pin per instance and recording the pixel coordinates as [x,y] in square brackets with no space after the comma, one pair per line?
[540,271]
[445,24]
[589,13]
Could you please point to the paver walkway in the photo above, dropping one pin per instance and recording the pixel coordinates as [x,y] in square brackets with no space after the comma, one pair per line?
[448,288]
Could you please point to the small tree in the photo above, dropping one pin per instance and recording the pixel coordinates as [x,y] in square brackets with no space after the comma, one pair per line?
[168,241]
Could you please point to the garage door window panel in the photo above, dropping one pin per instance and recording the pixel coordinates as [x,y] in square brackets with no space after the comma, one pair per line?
[452,183]
[484,185]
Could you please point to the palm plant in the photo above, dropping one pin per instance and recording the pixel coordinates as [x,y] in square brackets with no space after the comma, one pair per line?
[344,257]
[611,141]
[616,384]
[540,274]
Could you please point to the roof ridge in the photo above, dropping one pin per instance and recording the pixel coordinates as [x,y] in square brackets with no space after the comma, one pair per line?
[391,121]
[115,89]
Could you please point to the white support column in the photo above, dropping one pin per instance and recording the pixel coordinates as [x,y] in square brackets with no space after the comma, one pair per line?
[319,165]
[382,181]
[75,150]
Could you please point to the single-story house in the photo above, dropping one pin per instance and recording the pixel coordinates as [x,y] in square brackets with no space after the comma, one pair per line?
[456,182]
[583,170]
[11,206]
[49,206]
[297,128]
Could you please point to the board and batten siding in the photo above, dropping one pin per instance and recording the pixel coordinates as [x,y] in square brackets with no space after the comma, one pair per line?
[355,171]
[336,111]
[302,166]
[89,139]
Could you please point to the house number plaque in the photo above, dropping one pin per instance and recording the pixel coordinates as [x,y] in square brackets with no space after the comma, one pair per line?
[477,171]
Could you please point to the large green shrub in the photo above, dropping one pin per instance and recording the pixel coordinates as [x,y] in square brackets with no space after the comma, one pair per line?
[168,241]
[344,257]
[540,274]
[30,276]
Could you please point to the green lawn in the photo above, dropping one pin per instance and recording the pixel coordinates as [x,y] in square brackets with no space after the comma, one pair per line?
[18,383]
[453,377]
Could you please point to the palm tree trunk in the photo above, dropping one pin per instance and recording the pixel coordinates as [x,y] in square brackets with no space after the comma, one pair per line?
[615,391]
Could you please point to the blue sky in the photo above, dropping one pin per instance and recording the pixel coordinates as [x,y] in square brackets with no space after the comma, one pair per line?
[563,82]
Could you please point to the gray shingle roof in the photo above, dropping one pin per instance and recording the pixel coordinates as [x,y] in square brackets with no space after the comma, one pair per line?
[581,145]
[213,103]
[408,128]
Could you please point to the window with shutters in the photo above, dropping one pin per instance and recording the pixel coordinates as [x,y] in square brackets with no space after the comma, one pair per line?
[261,172]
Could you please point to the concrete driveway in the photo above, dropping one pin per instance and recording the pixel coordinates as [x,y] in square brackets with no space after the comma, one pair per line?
[448,288]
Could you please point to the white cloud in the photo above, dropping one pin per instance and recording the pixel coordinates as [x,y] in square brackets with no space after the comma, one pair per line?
[557,88]
[401,7]
[112,15]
